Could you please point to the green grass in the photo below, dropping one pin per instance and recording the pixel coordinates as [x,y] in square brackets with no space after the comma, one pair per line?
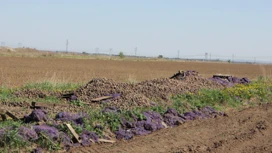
[53,87]
[10,139]
[259,91]
[5,93]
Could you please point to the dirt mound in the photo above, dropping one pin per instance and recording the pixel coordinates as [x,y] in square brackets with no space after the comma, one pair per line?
[102,87]
[143,93]
[247,131]
[164,87]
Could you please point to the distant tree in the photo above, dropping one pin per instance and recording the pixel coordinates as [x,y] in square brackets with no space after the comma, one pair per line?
[121,55]
[160,56]
[229,61]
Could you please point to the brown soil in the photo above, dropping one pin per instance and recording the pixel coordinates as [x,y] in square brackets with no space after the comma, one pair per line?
[246,131]
[16,71]
[143,93]
[34,93]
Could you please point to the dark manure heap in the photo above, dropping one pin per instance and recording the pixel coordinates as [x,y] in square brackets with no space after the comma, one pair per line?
[128,95]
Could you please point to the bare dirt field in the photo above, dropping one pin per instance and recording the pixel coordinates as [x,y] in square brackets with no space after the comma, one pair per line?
[16,71]
[245,131]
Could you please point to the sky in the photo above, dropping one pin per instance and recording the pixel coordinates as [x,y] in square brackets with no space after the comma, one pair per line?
[229,28]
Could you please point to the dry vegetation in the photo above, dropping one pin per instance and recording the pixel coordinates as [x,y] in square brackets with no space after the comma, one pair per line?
[16,71]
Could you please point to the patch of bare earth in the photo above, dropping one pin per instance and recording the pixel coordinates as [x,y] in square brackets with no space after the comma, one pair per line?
[246,131]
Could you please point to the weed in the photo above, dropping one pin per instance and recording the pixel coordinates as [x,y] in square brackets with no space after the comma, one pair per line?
[46,142]
[77,102]
[50,86]
[9,136]
[158,108]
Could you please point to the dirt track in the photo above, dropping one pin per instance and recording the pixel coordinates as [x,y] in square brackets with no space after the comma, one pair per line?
[246,131]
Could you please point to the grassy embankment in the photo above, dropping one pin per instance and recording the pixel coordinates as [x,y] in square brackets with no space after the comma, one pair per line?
[237,97]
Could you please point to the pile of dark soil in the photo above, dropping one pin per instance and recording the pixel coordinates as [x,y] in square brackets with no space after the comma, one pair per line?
[102,87]
[143,93]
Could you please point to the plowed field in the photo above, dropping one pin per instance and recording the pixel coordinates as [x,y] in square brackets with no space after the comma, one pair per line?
[16,71]
[246,131]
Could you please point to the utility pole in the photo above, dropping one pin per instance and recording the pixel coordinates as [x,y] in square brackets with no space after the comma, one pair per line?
[67,43]
[178,54]
[232,58]
[254,60]
[97,50]
[135,50]
[206,56]
[210,56]
[110,51]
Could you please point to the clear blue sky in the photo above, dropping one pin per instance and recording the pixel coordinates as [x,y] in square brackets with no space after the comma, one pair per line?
[219,27]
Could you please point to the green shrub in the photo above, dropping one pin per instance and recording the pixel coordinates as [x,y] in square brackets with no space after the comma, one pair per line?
[121,55]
